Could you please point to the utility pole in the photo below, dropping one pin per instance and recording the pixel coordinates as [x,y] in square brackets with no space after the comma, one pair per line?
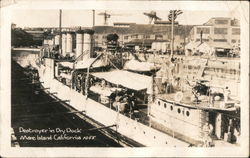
[60,31]
[171,17]
[93,17]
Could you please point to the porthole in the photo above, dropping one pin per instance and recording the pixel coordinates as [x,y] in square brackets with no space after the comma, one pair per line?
[179,110]
[159,103]
[165,105]
[187,113]
[171,107]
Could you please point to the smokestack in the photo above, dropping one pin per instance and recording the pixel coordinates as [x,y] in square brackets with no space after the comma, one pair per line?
[87,41]
[69,47]
[53,41]
[57,39]
[79,42]
[201,35]
[64,43]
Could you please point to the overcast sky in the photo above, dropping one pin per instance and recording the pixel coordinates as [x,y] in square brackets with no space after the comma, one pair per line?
[50,18]
[47,14]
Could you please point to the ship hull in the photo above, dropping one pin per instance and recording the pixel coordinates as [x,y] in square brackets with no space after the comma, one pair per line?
[126,126]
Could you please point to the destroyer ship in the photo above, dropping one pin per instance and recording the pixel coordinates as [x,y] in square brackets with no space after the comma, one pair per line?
[155,100]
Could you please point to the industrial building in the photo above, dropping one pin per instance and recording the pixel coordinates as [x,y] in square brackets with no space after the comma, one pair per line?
[142,35]
[219,32]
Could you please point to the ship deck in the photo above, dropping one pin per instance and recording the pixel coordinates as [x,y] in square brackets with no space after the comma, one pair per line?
[203,104]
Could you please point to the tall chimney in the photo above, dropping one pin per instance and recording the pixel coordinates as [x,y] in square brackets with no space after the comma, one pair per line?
[69,47]
[64,43]
[79,42]
[201,35]
[87,42]
[57,39]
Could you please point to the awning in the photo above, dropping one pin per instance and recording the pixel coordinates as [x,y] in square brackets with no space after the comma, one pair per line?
[222,45]
[192,45]
[84,63]
[87,62]
[135,65]
[126,79]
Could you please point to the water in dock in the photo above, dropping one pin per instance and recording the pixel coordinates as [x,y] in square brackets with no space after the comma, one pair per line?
[38,120]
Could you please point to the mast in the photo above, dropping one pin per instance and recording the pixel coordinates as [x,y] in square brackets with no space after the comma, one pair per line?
[172,35]
[93,40]
[171,17]
[60,31]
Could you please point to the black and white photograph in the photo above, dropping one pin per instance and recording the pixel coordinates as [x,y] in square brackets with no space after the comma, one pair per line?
[147,78]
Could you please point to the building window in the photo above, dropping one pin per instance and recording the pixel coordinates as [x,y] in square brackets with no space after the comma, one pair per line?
[235,31]
[220,31]
[146,36]
[204,30]
[235,22]
[187,113]
[233,41]
[204,40]
[221,22]
[220,40]
[159,103]
[157,37]
[134,36]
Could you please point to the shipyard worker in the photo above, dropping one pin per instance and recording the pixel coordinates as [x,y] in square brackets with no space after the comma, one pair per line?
[207,132]
[226,94]
[56,55]
[231,130]
[211,98]
[132,101]
[103,84]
